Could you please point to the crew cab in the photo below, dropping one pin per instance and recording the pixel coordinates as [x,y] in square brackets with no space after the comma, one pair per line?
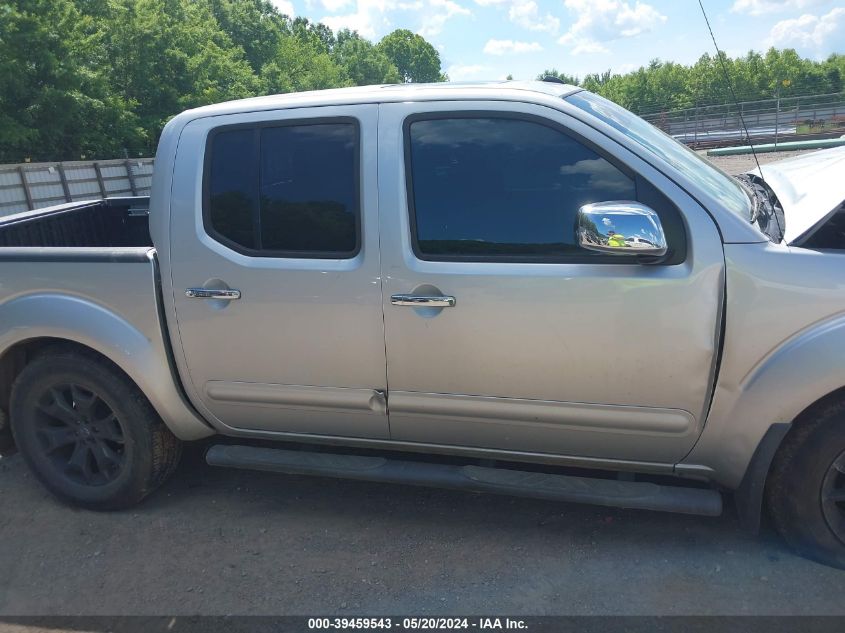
[513,287]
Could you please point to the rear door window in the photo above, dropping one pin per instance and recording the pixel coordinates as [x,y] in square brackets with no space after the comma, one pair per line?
[286,190]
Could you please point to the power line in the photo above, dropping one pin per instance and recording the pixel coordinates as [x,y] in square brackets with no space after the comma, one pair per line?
[730,85]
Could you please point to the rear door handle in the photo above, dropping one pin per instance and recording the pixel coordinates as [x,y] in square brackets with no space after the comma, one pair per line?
[421,301]
[211,293]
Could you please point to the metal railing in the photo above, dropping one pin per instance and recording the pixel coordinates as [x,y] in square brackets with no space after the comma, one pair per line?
[28,186]
[770,119]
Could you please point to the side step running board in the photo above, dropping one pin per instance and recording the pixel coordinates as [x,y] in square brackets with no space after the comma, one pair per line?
[604,492]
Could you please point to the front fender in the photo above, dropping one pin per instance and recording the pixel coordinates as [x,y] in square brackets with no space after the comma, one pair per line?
[783,350]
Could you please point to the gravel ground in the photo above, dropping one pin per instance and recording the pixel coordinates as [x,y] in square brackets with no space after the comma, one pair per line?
[222,542]
[217,541]
[745,162]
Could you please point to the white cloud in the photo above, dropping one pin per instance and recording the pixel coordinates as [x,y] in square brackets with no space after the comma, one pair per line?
[526,14]
[763,7]
[369,17]
[629,67]
[335,5]
[599,21]
[585,46]
[438,13]
[601,175]
[502,47]
[810,34]
[459,72]
[285,7]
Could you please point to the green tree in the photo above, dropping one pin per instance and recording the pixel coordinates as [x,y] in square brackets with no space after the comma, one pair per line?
[364,63]
[315,34]
[662,86]
[567,79]
[298,65]
[256,26]
[95,77]
[169,55]
[55,98]
[416,60]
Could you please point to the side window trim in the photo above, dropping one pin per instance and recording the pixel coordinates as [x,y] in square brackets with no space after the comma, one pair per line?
[510,259]
[256,211]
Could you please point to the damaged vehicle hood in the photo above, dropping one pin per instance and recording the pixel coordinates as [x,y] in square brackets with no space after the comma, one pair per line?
[810,188]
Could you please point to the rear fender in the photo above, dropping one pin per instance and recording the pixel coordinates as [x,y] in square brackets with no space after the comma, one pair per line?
[141,355]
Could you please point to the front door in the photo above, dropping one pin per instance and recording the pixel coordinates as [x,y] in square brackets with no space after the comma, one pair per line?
[275,270]
[527,342]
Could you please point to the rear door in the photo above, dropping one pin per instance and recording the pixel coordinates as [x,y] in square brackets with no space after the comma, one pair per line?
[275,269]
[534,344]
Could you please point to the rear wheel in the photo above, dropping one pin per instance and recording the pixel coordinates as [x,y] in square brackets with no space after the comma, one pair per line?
[88,433]
[806,489]
[6,442]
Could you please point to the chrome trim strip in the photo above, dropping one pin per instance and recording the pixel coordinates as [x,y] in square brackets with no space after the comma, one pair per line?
[543,412]
[297,396]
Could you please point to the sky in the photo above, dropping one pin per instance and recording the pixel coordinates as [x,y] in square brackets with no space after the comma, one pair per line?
[489,39]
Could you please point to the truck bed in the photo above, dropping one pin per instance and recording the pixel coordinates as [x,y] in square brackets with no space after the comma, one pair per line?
[86,272]
[110,222]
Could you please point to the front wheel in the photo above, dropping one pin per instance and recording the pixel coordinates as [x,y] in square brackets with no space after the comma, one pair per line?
[806,489]
[88,432]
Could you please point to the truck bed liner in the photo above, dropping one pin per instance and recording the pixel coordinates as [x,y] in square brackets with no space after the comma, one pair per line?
[110,222]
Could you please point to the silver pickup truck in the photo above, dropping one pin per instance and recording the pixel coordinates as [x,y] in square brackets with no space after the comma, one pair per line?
[515,288]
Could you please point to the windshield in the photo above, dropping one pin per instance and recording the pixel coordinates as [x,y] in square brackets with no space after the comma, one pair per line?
[716,182]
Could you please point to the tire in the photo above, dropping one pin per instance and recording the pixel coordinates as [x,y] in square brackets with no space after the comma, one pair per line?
[88,433]
[806,487]
[6,441]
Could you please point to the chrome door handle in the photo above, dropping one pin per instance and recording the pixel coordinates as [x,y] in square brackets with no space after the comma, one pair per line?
[212,293]
[419,301]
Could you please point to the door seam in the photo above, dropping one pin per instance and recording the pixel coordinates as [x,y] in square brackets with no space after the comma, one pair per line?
[386,394]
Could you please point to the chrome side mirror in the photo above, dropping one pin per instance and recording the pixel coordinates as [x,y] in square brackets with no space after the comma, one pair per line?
[621,227]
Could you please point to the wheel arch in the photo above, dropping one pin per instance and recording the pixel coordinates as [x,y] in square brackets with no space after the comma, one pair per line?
[35,322]
[749,497]
[19,355]
[84,427]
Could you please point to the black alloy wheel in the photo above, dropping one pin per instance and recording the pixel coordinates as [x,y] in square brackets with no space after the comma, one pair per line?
[80,435]
[88,432]
[833,497]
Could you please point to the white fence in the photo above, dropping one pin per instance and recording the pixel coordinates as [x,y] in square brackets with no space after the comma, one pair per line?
[28,186]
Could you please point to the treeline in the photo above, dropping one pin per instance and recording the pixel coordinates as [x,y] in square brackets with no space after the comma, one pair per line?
[97,78]
[100,78]
[663,86]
